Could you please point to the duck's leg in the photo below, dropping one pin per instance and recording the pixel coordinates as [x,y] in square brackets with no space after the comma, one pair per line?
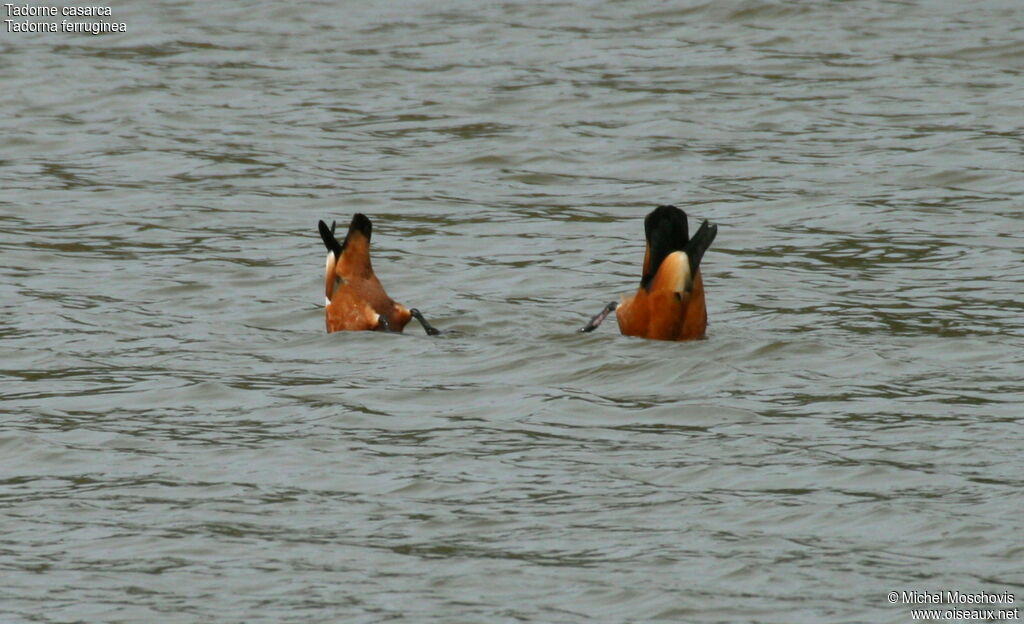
[427,327]
[599,318]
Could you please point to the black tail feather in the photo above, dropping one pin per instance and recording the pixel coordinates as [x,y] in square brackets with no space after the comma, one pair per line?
[327,233]
[699,244]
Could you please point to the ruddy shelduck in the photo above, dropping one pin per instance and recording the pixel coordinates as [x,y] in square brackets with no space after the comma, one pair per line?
[356,301]
[669,305]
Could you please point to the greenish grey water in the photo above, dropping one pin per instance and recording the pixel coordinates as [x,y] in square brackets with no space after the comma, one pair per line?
[182,442]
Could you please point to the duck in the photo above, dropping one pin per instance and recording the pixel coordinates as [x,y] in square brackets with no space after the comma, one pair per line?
[669,304]
[355,298]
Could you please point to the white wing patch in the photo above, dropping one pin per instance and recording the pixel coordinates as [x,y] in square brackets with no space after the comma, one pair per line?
[681,266]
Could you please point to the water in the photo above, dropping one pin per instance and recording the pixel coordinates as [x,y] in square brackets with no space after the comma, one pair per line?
[182,442]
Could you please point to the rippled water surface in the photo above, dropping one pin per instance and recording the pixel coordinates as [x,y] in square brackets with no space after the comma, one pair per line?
[182,441]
